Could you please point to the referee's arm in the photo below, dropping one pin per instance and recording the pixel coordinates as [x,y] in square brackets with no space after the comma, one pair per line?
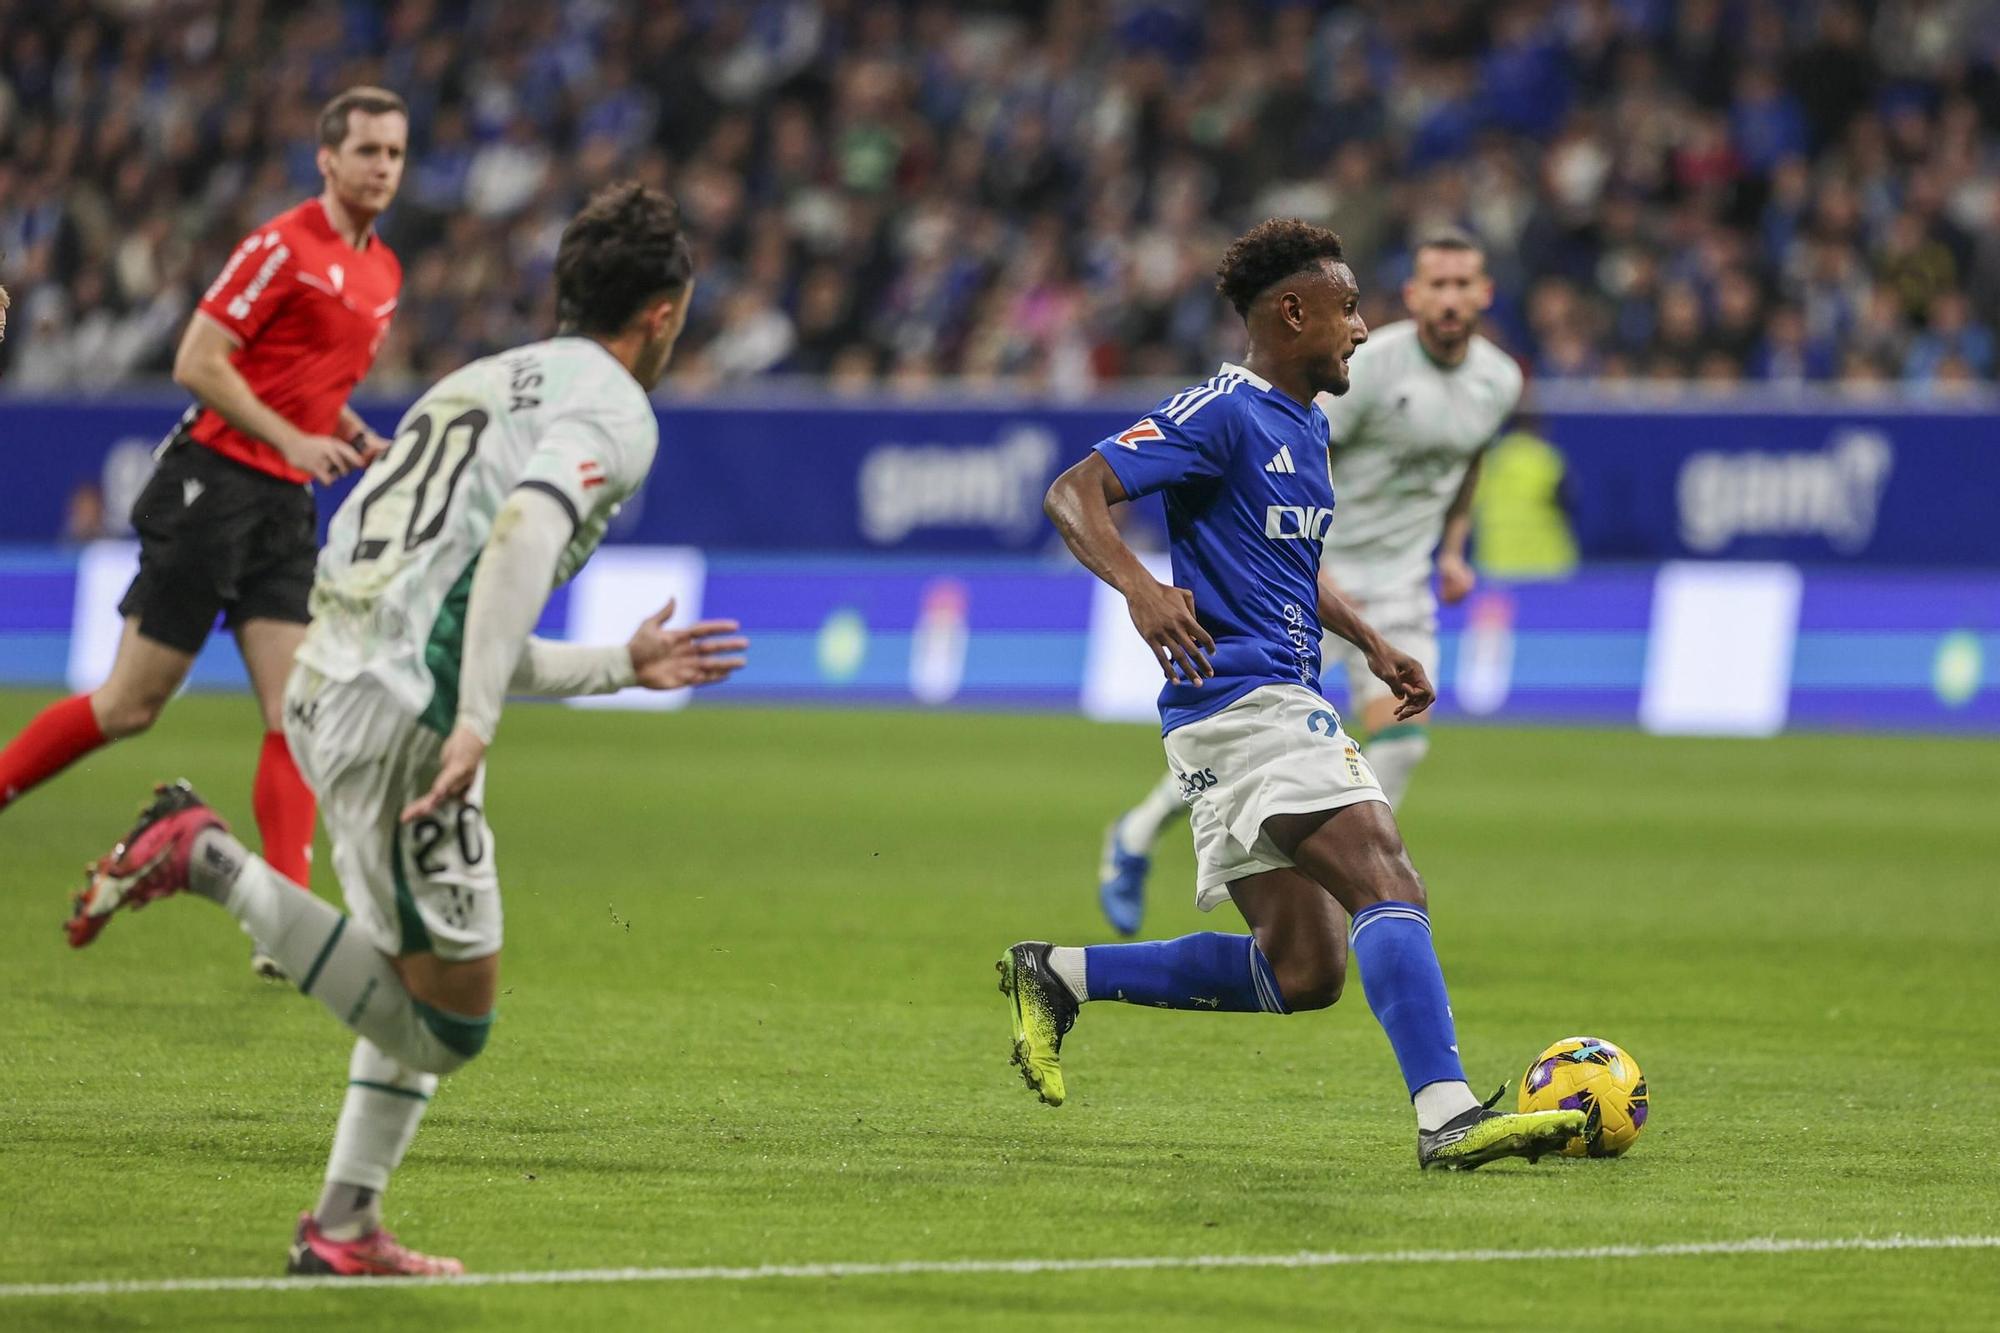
[203,368]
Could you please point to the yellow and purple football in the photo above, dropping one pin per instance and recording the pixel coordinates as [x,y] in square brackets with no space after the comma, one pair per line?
[1591,1075]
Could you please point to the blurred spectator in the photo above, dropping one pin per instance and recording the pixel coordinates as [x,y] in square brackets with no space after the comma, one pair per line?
[1036,193]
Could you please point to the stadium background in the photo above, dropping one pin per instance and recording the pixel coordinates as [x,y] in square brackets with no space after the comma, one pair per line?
[1747,251]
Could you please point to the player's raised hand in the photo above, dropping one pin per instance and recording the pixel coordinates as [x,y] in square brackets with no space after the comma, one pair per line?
[704,653]
[1164,616]
[458,765]
[1406,679]
[322,457]
[1456,578]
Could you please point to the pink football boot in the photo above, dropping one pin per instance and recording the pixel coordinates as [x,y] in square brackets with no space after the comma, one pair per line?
[377,1254]
[152,861]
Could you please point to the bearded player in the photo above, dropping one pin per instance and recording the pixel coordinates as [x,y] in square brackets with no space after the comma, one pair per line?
[227,523]
[1428,396]
[499,485]
[1290,824]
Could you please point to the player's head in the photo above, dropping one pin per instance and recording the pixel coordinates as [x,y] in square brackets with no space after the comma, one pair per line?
[1448,288]
[364,137]
[1289,282]
[624,273]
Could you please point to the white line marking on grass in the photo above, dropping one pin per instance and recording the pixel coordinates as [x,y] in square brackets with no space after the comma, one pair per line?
[959,1267]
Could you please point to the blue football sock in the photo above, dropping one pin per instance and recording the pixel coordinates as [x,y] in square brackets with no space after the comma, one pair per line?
[1205,971]
[1405,988]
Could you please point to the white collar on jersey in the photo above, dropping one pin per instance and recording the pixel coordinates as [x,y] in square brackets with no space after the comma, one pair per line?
[1249,377]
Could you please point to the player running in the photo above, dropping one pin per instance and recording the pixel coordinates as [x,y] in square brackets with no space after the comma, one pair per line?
[1427,399]
[227,522]
[1289,821]
[499,485]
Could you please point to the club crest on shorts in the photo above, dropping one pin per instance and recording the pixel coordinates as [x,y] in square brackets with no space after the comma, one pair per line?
[1354,766]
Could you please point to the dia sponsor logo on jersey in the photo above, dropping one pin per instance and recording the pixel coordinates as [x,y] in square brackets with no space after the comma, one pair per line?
[1293,523]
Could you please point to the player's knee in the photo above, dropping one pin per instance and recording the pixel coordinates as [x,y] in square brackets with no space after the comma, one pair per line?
[1312,983]
[455,1039]
[122,713]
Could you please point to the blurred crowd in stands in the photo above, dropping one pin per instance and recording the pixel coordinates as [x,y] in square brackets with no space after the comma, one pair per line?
[1035,195]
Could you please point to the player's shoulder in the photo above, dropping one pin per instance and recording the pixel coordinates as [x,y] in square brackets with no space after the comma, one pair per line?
[302,224]
[385,259]
[1215,402]
[582,378]
[1390,346]
[1493,364]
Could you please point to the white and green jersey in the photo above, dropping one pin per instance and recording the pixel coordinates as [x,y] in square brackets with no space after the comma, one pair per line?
[388,600]
[1402,437]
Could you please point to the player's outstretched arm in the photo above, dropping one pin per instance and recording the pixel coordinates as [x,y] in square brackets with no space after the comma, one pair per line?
[1403,674]
[707,652]
[1079,504]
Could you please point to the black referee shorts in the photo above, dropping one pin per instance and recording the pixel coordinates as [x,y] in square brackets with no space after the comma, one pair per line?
[218,537]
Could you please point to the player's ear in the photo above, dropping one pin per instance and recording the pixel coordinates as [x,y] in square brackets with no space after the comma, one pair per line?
[324,158]
[1483,290]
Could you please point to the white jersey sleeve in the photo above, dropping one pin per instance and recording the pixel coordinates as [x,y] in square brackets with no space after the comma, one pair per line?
[591,458]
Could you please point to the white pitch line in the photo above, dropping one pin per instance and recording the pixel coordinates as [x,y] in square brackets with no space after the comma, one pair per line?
[961,1267]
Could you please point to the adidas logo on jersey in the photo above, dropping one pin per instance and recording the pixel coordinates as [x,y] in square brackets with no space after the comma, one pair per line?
[1282,462]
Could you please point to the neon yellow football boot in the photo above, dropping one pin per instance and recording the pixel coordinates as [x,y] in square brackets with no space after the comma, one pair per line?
[1483,1135]
[1044,1012]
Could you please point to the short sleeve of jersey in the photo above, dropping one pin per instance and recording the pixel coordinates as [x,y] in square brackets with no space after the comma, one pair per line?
[253,286]
[591,460]
[1170,447]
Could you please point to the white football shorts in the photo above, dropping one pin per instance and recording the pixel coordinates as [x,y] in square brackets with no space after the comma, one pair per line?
[1279,750]
[424,887]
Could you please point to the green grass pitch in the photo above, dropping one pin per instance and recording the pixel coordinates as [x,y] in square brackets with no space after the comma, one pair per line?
[750,1018]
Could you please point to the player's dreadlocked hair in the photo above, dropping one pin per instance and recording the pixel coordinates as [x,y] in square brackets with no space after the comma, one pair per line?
[1269,253]
[624,249]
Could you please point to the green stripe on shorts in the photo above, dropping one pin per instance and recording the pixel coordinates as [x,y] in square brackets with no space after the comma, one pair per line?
[409,922]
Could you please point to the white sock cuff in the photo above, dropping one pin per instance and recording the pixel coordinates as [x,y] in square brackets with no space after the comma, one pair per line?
[1439,1103]
[1067,963]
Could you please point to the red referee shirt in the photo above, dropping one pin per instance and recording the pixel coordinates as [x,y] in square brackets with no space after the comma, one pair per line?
[308,311]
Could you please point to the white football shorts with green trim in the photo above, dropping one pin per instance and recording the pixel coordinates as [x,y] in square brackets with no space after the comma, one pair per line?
[1279,750]
[425,887]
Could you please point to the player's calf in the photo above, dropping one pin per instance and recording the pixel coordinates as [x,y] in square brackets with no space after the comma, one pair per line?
[179,844]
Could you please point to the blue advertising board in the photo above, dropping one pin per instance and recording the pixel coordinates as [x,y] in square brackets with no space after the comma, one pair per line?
[1808,482]
[1696,647]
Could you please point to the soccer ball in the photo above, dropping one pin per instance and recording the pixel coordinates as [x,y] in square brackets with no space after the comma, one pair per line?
[1591,1075]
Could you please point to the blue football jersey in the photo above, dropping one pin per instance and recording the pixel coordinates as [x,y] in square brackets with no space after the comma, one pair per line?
[1249,498]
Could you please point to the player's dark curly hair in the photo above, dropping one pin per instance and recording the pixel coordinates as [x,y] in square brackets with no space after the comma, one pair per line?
[624,249]
[1269,253]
